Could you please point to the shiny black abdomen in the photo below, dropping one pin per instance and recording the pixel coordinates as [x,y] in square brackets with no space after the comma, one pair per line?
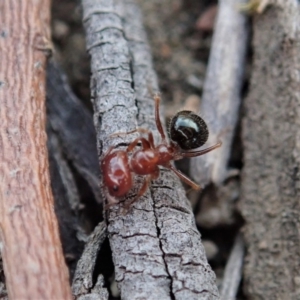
[188,130]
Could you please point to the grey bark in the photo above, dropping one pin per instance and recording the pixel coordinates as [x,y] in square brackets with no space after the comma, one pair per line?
[271,132]
[222,90]
[83,287]
[156,247]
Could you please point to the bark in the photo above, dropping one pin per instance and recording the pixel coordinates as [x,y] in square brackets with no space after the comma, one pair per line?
[156,247]
[222,90]
[32,255]
[83,286]
[271,132]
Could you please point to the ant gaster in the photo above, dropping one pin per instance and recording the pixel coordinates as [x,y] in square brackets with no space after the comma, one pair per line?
[187,132]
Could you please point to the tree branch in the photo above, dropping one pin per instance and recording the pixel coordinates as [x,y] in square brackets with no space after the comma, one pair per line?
[31,250]
[156,246]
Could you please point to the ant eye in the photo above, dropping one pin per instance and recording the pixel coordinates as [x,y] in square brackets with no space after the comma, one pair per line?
[188,130]
[115,188]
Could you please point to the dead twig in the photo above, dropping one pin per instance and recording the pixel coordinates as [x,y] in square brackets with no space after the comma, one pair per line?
[222,90]
[233,270]
[156,247]
[83,285]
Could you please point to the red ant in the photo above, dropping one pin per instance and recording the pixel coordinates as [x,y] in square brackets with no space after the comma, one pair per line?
[187,131]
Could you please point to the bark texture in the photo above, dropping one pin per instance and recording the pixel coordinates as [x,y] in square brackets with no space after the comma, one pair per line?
[156,247]
[32,255]
[271,135]
[222,90]
[83,286]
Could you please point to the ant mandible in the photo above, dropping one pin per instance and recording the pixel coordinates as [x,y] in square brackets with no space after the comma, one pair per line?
[187,132]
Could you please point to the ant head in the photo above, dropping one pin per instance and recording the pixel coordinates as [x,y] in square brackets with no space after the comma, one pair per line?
[188,130]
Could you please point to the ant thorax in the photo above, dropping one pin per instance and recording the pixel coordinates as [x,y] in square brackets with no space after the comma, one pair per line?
[144,162]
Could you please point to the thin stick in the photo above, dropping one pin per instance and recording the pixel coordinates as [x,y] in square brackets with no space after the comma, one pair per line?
[83,279]
[233,270]
[222,88]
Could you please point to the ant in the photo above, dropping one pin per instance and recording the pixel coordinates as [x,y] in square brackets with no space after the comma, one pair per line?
[187,132]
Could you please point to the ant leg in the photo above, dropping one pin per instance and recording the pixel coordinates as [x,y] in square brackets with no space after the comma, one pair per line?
[141,192]
[111,201]
[143,130]
[144,187]
[184,178]
[140,130]
[200,152]
[150,135]
[157,118]
[151,140]
[109,205]
[132,145]
[109,150]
